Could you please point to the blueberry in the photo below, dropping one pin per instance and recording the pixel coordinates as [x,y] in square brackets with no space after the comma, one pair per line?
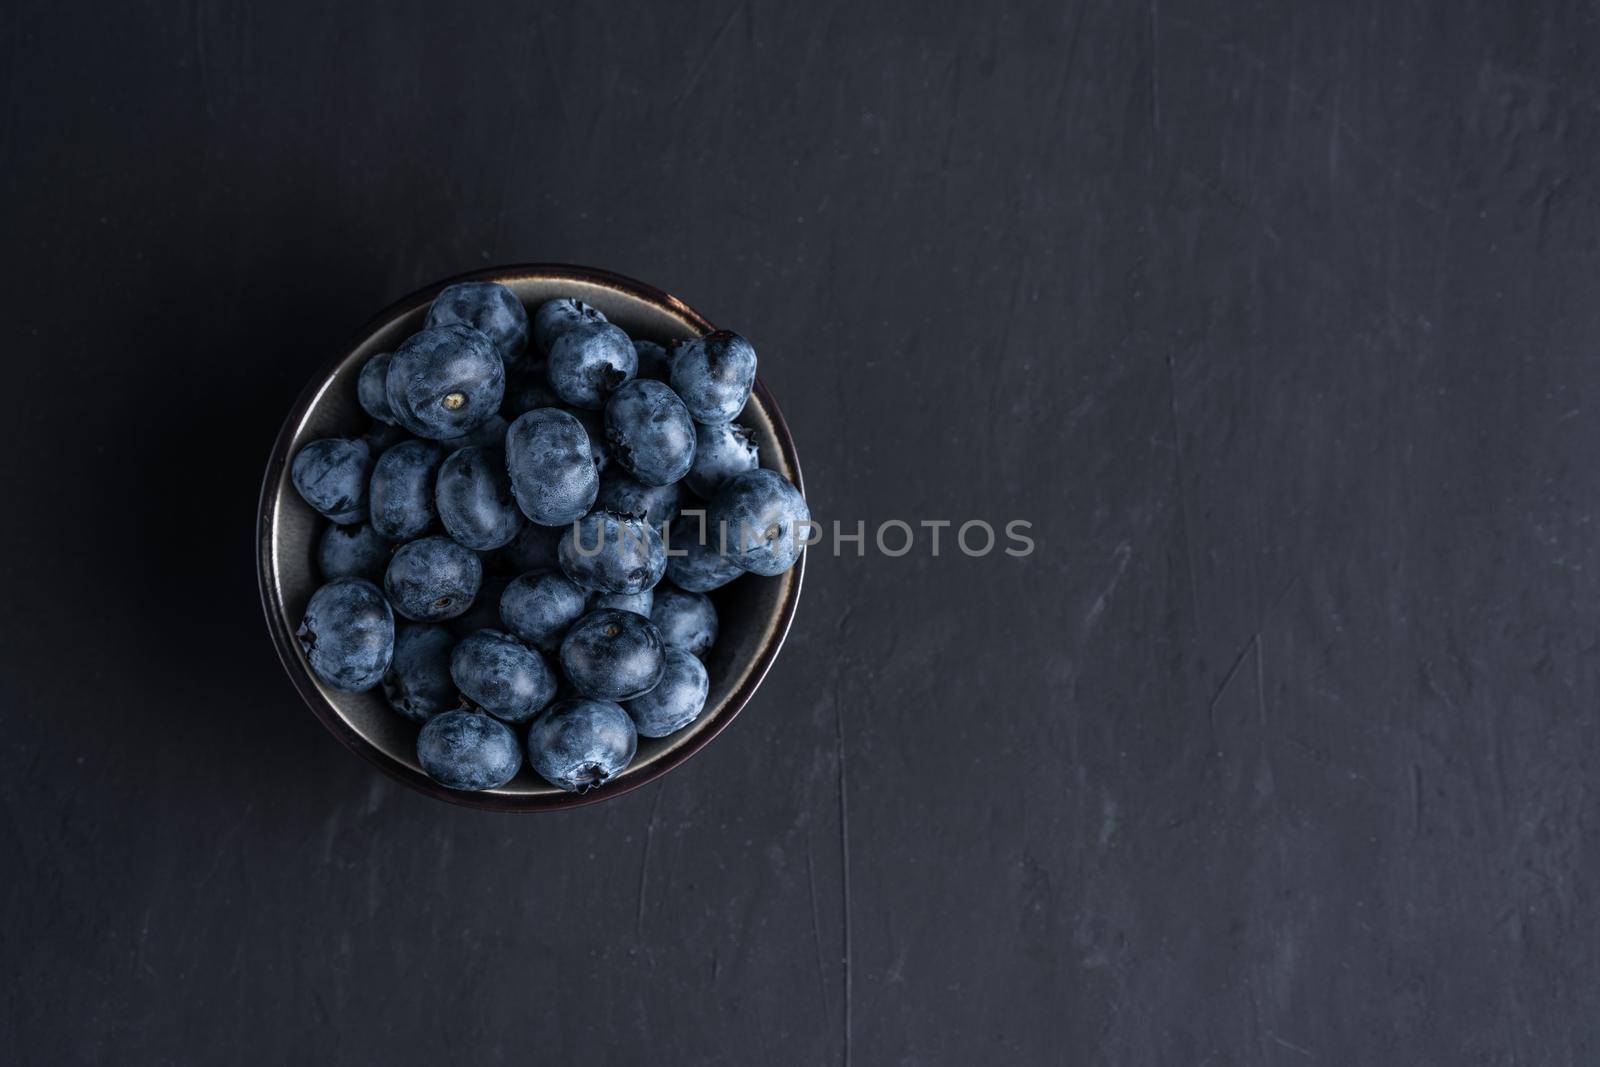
[383,436]
[764,517]
[491,309]
[608,553]
[580,744]
[528,387]
[588,362]
[352,552]
[654,363]
[612,654]
[684,620]
[557,316]
[371,389]
[402,490]
[332,475]
[720,451]
[444,381]
[594,425]
[638,603]
[492,434]
[433,579]
[466,750]
[475,502]
[552,470]
[714,375]
[418,682]
[624,494]
[676,701]
[696,561]
[348,634]
[540,607]
[502,675]
[533,549]
[650,432]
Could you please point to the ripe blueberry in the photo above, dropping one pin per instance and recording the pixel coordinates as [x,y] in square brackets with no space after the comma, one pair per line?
[557,316]
[402,490]
[352,552]
[720,451]
[418,682]
[444,381]
[551,467]
[371,388]
[714,374]
[615,655]
[474,496]
[676,701]
[685,620]
[702,566]
[468,751]
[433,579]
[608,553]
[579,744]
[331,475]
[502,676]
[588,362]
[491,309]
[382,436]
[347,634]
[539,607]
[650,432]
[764,517]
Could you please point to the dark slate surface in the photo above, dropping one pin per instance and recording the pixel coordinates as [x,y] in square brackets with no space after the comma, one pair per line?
[1278,322]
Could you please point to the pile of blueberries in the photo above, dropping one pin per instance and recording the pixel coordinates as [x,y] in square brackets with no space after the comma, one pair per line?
[514,506]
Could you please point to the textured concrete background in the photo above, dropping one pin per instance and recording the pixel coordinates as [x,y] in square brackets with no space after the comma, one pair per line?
[1280,325]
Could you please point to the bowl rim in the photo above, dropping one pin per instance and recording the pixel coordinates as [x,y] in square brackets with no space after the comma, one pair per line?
[283,636]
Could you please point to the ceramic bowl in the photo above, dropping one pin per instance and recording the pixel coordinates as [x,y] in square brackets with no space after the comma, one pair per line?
[754,612]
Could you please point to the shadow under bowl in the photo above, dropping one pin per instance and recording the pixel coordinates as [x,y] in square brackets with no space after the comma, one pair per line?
[754,612]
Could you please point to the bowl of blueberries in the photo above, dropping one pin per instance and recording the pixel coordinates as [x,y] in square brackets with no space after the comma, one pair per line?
[534,539]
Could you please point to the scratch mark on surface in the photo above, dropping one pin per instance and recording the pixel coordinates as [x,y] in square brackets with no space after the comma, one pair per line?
[844,864]
[816,933]
[1291,86]
[705,59]
[1053,116]
[1183,493]
[1416,800]
[1123,553]
[1261,685]
[1227,679]
[644,861]
[1292,1047]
